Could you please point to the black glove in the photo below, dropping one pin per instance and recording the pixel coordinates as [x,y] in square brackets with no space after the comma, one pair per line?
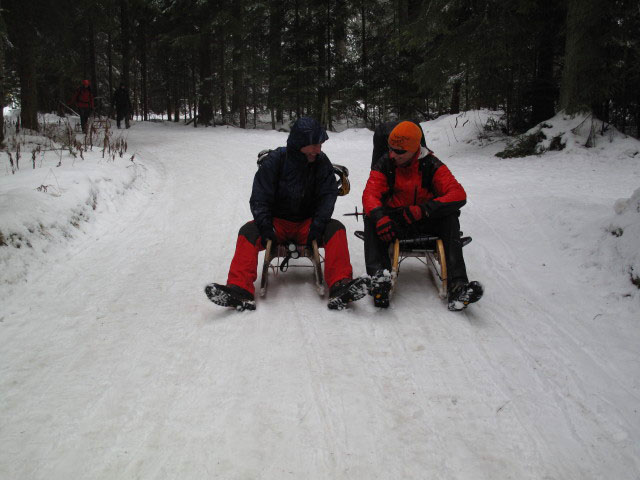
[267,233]
[386,229]
[413,213]
[315,233]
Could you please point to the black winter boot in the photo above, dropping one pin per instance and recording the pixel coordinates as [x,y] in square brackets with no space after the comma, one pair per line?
[346,290]
[381,288]
[462,294]
[230,296]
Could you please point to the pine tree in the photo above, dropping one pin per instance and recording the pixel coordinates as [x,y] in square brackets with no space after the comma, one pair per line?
[585,83]
[22,31]
[275,98]
[3,41]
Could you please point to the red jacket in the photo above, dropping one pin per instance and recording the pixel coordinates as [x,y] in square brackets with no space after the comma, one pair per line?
[83,98]
[425,181]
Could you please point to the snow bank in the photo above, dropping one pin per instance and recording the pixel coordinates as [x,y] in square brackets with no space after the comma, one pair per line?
[622,241]
[583,134]
[571,138]
[451,133]
[579,134]
[43,208]
[476,127]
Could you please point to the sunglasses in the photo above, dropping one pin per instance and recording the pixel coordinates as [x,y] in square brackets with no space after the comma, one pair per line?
[397,151]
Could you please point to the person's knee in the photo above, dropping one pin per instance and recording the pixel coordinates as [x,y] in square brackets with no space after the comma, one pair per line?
[449,222]
[250,231]
[333,227]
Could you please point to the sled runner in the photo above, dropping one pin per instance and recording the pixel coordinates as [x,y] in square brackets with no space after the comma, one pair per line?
[428,249]
[277,258]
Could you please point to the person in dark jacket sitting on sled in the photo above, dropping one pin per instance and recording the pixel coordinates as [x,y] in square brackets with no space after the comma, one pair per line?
[294,192]
[410,192]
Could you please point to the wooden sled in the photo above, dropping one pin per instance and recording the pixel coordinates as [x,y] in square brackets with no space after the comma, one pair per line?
[428,249]
[277,257]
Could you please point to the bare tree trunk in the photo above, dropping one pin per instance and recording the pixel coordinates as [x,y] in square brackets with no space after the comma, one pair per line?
[110,63]
[3,32]
[455,96]
[298,55]
[142,46]
[136,101]
[206,81]
[329,84]
[222,74]
[124,28]
[543,88]
[363,15]
[584,75]
[255,104]
[243,106]
[196,109]
[274,100]
[340,30]
[320,110]
[402,84]
[93,69]
[238,103]
[466,89]
[23,34]
[175,95]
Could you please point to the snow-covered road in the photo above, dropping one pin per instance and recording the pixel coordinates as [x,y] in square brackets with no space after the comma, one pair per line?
[114,364]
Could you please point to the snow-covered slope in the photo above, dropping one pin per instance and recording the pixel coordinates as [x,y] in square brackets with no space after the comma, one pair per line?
[115,365]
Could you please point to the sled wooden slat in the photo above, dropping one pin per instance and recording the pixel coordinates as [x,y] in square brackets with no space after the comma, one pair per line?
[442,260]
[429,250]
[265,269]
[395,263]
[277,252]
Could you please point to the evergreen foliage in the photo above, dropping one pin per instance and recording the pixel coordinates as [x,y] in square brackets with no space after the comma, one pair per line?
[227,61]
[524,146]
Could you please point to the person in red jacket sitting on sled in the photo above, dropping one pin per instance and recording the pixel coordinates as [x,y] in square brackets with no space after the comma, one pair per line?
[410,192]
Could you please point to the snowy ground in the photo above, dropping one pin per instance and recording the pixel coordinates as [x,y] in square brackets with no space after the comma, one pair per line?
[115,365]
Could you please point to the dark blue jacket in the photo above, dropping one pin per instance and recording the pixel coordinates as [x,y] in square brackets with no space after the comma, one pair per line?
[287,186]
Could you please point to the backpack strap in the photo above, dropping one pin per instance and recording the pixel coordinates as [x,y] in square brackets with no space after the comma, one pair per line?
[262,156]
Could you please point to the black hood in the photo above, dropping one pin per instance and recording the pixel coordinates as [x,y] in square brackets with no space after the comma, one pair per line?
[306,131]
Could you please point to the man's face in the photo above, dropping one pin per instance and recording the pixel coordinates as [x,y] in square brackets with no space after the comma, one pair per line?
[400,159]
[312,151]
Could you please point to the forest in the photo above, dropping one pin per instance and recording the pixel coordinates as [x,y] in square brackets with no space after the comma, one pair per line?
[356,61]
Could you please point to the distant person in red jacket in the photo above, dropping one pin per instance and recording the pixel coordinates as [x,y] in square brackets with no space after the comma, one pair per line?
[410,192]
[83,100]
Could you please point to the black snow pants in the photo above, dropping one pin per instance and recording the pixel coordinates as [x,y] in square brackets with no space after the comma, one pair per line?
[376,252]
[84,112]
[120,114]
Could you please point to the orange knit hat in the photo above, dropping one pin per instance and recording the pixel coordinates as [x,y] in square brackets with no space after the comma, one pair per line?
[406,136]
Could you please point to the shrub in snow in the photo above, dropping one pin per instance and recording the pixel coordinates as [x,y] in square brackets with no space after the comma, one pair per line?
[562,132]
[524,146]
[54,196]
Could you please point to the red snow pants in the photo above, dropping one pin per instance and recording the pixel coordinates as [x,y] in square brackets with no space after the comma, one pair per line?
[243,271]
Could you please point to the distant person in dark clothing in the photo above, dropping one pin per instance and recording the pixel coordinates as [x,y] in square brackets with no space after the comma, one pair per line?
[122,104]
[83,100]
